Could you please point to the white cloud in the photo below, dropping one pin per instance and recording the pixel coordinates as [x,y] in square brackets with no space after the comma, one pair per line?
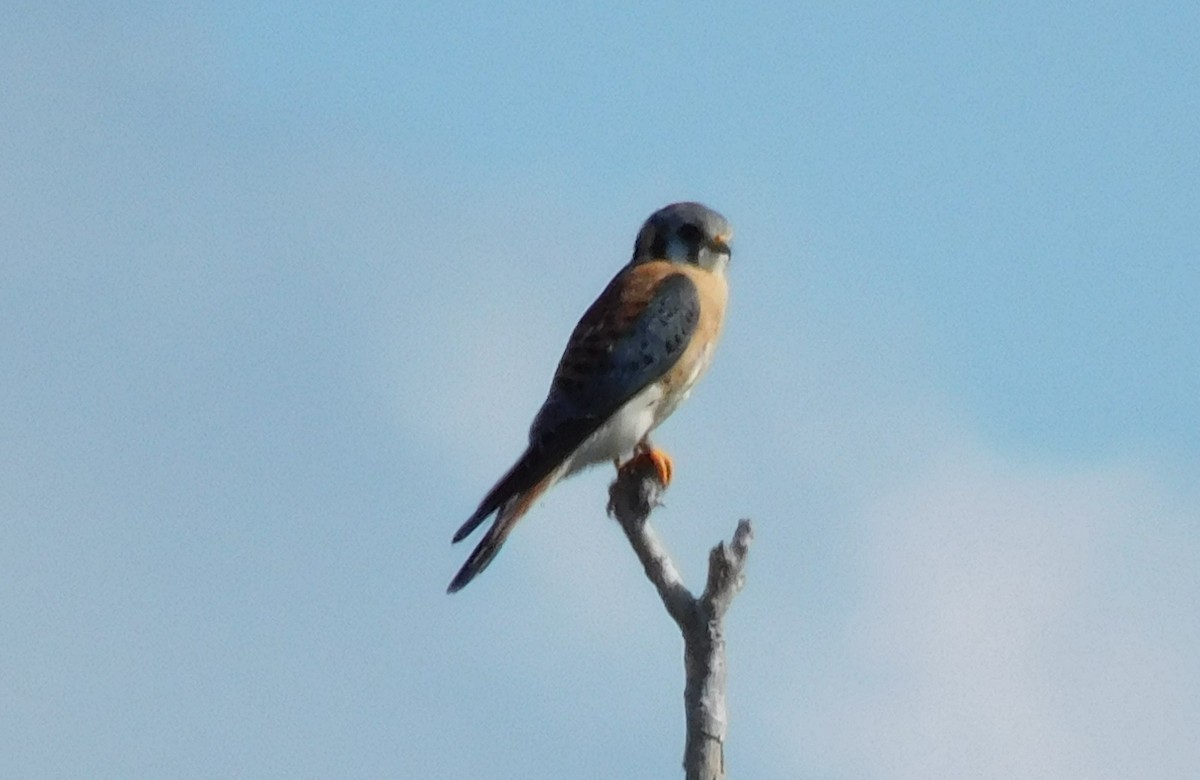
[1020,621]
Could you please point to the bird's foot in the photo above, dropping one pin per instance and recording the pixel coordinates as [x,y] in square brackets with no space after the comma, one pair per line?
[652,459]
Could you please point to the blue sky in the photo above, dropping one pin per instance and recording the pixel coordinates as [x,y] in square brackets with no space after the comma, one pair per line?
[282,285]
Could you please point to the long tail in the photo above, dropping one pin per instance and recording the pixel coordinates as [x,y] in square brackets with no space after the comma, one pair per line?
[511,506]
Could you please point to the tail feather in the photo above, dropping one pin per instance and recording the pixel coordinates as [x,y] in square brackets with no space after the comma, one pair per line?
[482,513]
[520,478]
[510,511]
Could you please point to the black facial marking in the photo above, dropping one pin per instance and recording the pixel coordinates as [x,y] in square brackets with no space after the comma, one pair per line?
[692,236]
[658,247]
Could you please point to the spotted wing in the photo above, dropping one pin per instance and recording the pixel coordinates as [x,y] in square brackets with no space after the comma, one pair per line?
[631,336]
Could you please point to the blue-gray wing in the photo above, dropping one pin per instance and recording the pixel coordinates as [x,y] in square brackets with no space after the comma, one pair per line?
[631,336]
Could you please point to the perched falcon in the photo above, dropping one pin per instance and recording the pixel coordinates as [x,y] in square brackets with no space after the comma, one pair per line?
[629,363]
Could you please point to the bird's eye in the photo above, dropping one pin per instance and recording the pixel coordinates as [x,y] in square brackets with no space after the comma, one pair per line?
[691,235]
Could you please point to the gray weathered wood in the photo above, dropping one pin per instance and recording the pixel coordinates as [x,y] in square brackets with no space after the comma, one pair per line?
[632,497]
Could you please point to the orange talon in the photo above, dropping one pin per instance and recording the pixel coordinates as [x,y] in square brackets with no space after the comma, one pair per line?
[656,459]
[662,465]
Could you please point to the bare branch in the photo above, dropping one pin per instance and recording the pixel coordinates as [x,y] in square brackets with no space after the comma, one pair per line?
[726,570]
[632,497]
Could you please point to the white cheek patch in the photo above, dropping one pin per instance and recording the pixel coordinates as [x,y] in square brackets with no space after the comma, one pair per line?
[715,262]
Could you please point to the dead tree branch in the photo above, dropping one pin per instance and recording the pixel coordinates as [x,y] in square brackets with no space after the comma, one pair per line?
[632,497]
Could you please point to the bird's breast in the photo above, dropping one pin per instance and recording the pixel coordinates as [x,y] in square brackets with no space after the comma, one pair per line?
[620,433]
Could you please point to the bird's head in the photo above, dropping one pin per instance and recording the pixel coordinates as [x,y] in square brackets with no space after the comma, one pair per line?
[685,233]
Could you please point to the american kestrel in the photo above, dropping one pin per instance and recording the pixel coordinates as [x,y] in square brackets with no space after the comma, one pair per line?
[631,360]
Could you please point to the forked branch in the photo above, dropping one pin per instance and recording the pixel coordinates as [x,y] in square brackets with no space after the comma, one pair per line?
[632,497]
